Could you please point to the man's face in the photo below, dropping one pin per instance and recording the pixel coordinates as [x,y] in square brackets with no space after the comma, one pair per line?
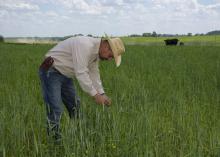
[105,52]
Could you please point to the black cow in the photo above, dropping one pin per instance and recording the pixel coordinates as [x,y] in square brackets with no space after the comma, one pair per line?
[171,41]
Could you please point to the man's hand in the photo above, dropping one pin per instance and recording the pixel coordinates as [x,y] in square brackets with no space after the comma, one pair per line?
[108,100]
[102,99]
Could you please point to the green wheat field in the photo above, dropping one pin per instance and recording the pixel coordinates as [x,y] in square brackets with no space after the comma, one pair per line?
[165,103]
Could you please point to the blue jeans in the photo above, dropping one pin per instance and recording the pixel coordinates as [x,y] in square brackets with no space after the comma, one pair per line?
[56,89]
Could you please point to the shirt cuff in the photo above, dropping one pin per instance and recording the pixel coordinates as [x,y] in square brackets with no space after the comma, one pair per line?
[101,91]
[93,92]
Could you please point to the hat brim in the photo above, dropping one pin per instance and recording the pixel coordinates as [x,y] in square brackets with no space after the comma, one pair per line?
[116,57]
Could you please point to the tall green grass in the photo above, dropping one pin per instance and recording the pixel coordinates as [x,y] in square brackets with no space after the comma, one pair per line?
[165,102]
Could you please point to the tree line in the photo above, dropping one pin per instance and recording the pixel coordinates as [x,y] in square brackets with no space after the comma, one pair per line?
[154,34]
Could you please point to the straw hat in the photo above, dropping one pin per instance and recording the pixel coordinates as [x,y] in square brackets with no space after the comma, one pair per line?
[117,47]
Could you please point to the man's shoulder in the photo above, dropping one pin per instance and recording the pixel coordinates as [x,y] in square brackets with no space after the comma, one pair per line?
[88,42]
[83,38]
[87,38]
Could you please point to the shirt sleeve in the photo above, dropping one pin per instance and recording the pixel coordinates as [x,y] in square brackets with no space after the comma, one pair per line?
[86,83]
[95,76]
[80,66]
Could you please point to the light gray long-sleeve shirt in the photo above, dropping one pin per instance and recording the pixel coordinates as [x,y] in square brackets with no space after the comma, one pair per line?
[79,57]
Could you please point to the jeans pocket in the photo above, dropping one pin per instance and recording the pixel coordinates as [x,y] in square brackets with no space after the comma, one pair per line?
[52,71]
[49,71]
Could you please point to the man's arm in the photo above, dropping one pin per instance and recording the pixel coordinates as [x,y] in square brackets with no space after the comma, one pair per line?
[95,77]
[97,83]
[85,82]
[80,56]
[80,64]
[86,85]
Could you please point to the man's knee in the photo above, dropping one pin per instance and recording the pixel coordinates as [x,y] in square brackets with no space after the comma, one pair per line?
[75,111]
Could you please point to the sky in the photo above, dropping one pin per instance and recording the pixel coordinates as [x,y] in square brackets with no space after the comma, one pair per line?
[49,18]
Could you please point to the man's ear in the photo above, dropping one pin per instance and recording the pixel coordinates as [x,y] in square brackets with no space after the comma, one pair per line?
[105,42]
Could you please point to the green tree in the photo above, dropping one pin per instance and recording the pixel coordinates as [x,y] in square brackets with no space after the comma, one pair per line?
[146,34]
[1,38]
[154,34]
[189,34]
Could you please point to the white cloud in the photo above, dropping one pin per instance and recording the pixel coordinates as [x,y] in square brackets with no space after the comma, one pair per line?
[189,6]
[51,14]
[214,6]
[3,13]
[84,7]
[17,5]
[185,10]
